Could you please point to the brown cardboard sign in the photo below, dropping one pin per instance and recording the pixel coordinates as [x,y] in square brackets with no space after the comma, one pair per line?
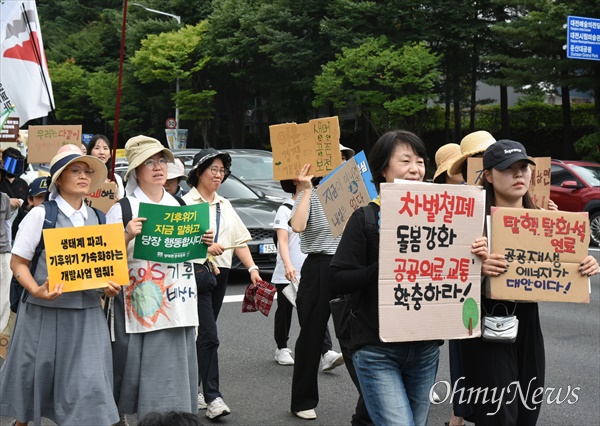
[429,281]
[10,130]
[543,249]
[539,187]
[44,141]
[294,145]
[342,193]
[103,198]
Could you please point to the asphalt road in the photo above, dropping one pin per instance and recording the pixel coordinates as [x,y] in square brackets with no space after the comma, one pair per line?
[257,389]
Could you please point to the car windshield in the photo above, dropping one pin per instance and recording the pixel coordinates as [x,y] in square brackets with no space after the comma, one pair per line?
[233,189]
[252,167]
[591,174]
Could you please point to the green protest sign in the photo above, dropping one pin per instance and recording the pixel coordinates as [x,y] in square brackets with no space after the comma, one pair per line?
[172,234]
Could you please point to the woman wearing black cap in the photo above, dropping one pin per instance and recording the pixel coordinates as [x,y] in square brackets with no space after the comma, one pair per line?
[211,168]
[503,365]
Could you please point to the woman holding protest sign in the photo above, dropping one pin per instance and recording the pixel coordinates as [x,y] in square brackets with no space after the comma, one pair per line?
[154,349]
[504,366]
[396,378]
[59,364]
[211,168]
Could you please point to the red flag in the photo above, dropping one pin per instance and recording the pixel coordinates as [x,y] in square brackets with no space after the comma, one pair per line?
[25,86]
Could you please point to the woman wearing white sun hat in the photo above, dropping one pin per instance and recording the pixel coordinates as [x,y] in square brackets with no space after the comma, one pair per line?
[60,341]
[154,349]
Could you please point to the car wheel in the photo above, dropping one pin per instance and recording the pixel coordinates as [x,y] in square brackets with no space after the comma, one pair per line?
[595,228]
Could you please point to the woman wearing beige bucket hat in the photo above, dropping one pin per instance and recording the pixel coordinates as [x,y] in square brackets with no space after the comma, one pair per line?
[154,349]
[60,341]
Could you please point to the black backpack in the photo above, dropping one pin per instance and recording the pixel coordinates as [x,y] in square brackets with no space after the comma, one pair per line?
[17,291]
[289,206]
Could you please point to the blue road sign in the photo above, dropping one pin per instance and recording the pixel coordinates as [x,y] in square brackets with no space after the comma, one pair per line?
[583,38]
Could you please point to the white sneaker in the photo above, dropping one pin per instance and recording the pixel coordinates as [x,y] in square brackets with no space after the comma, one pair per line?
[201,402]
[284,356]
[217,408]
[330,360]
[306,414]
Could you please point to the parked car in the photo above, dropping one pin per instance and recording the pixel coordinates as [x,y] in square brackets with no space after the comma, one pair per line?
[254,208]
[575,187]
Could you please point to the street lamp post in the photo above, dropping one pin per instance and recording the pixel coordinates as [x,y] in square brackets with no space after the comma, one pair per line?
[178,19]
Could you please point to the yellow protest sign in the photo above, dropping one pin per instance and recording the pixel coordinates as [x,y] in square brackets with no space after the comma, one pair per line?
[543,249]
[44,141]
[294,145]
[86,257]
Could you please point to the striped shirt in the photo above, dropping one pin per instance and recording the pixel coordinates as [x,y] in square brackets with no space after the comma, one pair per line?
[316,238]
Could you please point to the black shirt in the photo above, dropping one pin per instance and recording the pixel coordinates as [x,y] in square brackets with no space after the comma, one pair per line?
[17,189]
[354,269]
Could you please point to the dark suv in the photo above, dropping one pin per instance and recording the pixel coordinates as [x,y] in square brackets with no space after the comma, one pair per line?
[575,187]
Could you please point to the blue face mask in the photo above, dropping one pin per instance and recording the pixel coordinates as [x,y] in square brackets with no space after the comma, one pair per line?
[14,166]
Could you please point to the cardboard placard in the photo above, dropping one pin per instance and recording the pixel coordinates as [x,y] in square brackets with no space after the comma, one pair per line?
[341,193]
[540,181]
[539,187]
[172,234]
[103,198]
[294,145]
[44,141]
[86,257]
[543,249]
[429,281]
[9,129]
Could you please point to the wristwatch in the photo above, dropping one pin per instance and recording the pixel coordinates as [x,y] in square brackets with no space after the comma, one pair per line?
[253,268]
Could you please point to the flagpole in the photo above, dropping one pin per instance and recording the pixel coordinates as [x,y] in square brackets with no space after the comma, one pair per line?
[118,108]
[38,56]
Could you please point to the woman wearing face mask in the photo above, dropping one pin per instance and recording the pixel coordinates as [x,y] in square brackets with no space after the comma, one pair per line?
[100,148]
[59,362]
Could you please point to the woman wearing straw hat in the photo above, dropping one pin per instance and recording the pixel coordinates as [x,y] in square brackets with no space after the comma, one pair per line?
[444,159]
[59,364]
[154,349]
[472,145]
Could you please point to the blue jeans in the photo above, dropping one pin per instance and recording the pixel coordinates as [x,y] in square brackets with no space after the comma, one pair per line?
[396,379]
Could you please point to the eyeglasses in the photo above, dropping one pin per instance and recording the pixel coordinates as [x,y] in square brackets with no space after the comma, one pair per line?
[77,171]
[217,171]
[151,163]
